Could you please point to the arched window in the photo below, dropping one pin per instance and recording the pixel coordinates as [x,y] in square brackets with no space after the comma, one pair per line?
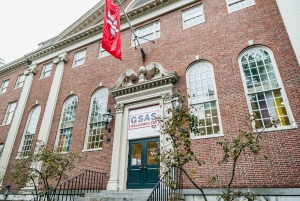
[203,97]
[66,124]
[264,89]
[29,132]
[95,129]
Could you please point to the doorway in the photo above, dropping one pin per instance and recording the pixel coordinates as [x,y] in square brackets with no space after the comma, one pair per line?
[143,168]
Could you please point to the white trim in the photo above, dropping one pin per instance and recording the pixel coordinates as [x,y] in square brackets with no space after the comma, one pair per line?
[216,99]
[43,70]
[154,27]
[25,129]
[192,8]
[101,50]
[280,83]
[6,113]
[2,85]
[60,121]
[18,81]
[89,118]
[75,55]
[237,2]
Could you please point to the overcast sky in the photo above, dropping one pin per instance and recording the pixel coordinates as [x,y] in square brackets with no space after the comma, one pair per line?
[25,23]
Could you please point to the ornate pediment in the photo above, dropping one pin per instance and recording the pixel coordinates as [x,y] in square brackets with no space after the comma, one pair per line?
[161,76]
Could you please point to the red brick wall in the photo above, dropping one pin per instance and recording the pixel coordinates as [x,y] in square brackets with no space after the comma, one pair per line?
[219,40]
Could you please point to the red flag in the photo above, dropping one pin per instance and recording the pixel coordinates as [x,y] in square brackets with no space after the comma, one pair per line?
[111,39]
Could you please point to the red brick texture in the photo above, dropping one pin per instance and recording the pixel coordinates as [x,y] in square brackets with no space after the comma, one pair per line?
[219,40]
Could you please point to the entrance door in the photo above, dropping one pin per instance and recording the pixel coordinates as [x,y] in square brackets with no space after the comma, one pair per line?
[143,169]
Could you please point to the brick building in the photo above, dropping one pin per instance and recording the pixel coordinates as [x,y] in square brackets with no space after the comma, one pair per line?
[236,56]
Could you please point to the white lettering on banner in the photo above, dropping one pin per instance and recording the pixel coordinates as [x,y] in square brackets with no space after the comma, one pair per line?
[143,120]
[113,24]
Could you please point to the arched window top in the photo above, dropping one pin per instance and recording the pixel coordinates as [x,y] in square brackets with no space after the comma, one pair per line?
[264,90]
[64,137]
[203,99]
[258,69]
[201,82]
[29,131]
[69,110]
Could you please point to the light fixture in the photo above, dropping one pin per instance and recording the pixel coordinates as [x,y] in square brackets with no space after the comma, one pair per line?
[176,102]
[107,117]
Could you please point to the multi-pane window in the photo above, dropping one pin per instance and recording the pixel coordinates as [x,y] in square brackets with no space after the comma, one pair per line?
[46,70]
[20,81]
[263,86]
[79,58]
[4,86]
[30,131]
[9,113]
[235,5]
[149,32]
[96,126]
[203,98]
[192,16]
[103,52]
[66,124]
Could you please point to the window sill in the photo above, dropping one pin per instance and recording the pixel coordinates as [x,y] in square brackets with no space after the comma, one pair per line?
[293,126]
[184,28]
[89,150]
[4,125]
[77,66]
[207,136]
[18,87]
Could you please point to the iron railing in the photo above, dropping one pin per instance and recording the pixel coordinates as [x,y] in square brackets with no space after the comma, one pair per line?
[162,192]
[86,182]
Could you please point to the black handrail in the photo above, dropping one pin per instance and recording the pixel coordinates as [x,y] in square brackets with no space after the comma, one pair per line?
[162,191]
[86,182]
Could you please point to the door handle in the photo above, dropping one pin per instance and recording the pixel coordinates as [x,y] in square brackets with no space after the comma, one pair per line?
[143,167]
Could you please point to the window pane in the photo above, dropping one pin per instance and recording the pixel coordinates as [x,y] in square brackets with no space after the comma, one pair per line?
[192,16]
[146,33]
[99,107]
[67,122]
[270,105]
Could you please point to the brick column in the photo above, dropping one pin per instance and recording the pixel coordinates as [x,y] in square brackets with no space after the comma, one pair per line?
[14,126]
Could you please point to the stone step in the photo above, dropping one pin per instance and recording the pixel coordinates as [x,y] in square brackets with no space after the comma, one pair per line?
[125,195]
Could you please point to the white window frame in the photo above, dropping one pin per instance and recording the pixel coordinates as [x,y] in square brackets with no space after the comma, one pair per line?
[79,59]
[216,99]
[44,70]
[154,25]
[280,88]
[231,3]
[60,122]
[4,86]
[85,148]
[1,149]
[29,119]
[103,53]
[195,9]
[8,112]
[20,82]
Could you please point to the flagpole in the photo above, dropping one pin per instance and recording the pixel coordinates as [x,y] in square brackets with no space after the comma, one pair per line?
[135,36]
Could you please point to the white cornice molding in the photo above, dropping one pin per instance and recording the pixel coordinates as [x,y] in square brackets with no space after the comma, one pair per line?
[161,77]
[138,15]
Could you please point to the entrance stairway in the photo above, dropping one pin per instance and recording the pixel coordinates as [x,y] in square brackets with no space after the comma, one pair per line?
[124,195]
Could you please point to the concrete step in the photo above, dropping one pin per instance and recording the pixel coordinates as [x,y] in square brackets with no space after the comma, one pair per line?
[124,195]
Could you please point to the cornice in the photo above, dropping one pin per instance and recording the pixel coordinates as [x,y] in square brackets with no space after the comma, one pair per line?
[90,31]
[161,77]
[144,85]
